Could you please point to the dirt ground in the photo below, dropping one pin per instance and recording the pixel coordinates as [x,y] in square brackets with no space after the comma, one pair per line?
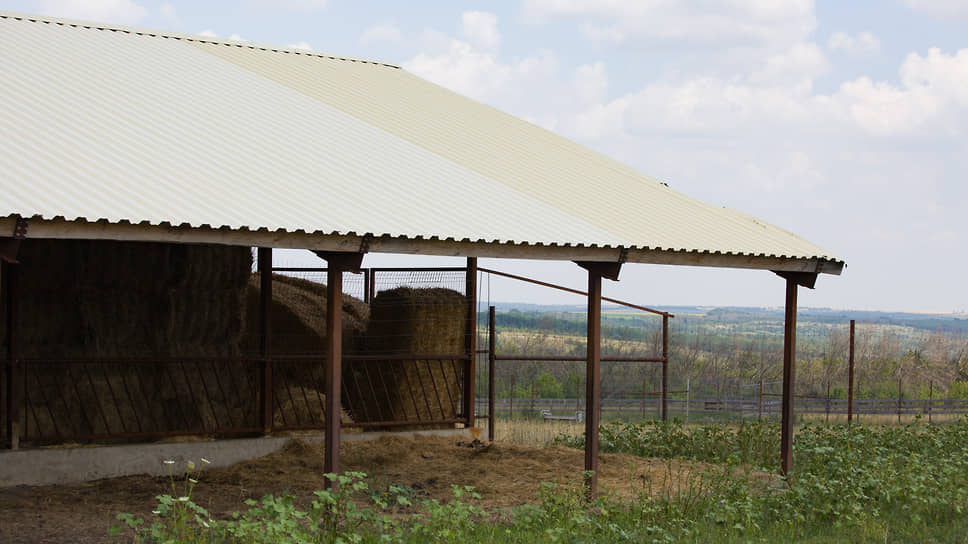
[504,474]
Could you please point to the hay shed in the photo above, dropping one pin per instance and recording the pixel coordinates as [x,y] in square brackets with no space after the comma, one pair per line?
[341,156]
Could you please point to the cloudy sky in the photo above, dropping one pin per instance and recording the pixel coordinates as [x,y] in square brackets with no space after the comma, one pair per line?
[845,122]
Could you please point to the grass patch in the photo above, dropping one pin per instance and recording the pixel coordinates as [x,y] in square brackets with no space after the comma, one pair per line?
[852,484]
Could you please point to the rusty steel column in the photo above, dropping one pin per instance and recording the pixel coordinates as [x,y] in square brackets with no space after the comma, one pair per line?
[789,374]
[665,368]
[265,336]
[491,342]
[470,341]
[850,375]
[593,381]
[12,377]
[333,371]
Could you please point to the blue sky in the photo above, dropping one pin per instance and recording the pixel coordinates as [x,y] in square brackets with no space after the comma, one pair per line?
[845,122]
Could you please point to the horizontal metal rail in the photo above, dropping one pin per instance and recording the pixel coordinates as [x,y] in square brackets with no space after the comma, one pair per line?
[575,291]
[576,358]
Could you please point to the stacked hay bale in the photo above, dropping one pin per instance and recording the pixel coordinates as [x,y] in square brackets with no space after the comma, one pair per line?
[90,299]
[297,320]
[405,320]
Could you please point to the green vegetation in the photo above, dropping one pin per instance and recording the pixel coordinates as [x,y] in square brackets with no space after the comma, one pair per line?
[852,484]
[723,348]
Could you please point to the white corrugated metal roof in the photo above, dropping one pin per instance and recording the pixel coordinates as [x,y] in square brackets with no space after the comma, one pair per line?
[125,125]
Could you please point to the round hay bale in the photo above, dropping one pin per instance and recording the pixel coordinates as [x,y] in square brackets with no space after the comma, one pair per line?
[297,317]
[406,320]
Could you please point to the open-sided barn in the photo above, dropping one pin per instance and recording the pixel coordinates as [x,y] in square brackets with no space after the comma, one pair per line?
[138,168]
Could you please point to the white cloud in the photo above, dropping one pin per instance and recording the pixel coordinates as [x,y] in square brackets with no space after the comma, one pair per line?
[111,11]
[167,11]
[940,8]
[856,46]
[209,33]
[383,32]
[300,45]
[293,5]
[480,28]
[463,69]
[591,82]
[734,23]
[930,97]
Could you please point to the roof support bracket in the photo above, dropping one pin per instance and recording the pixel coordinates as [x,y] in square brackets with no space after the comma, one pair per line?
[806,279]
[342,260]
[606,270]
[10,245]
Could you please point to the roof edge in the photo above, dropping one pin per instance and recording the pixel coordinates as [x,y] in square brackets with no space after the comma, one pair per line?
[59,228]
[45,19]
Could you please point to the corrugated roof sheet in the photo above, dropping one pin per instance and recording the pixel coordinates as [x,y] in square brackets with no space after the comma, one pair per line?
[119,124]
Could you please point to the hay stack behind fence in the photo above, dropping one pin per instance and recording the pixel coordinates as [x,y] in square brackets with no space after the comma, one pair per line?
[297,320]
[405,320]
[93,299]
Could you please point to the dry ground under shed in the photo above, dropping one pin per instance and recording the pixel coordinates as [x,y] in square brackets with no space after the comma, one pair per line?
[505,475]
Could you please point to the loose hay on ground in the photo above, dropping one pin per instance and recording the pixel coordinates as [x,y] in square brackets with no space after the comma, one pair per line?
[506,475]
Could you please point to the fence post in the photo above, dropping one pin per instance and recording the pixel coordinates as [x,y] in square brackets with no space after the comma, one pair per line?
[827,406]
[490,374]
[850,376]
[930,399]
[665,367]
[899,401]
[688,396]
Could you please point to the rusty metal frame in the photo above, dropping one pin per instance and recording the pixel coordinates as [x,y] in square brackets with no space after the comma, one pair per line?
[850,377]
[789,374]
[593,382]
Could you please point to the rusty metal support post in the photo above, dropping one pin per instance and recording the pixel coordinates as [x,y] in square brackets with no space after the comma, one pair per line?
[593,382]
[333,372]
[665,368]
[265,337]
[470,341]
[13,402]
[367,279]
[850,375]
[490,373]
[789,374]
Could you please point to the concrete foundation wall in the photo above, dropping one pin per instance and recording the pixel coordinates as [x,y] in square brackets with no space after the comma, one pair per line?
[84,464]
